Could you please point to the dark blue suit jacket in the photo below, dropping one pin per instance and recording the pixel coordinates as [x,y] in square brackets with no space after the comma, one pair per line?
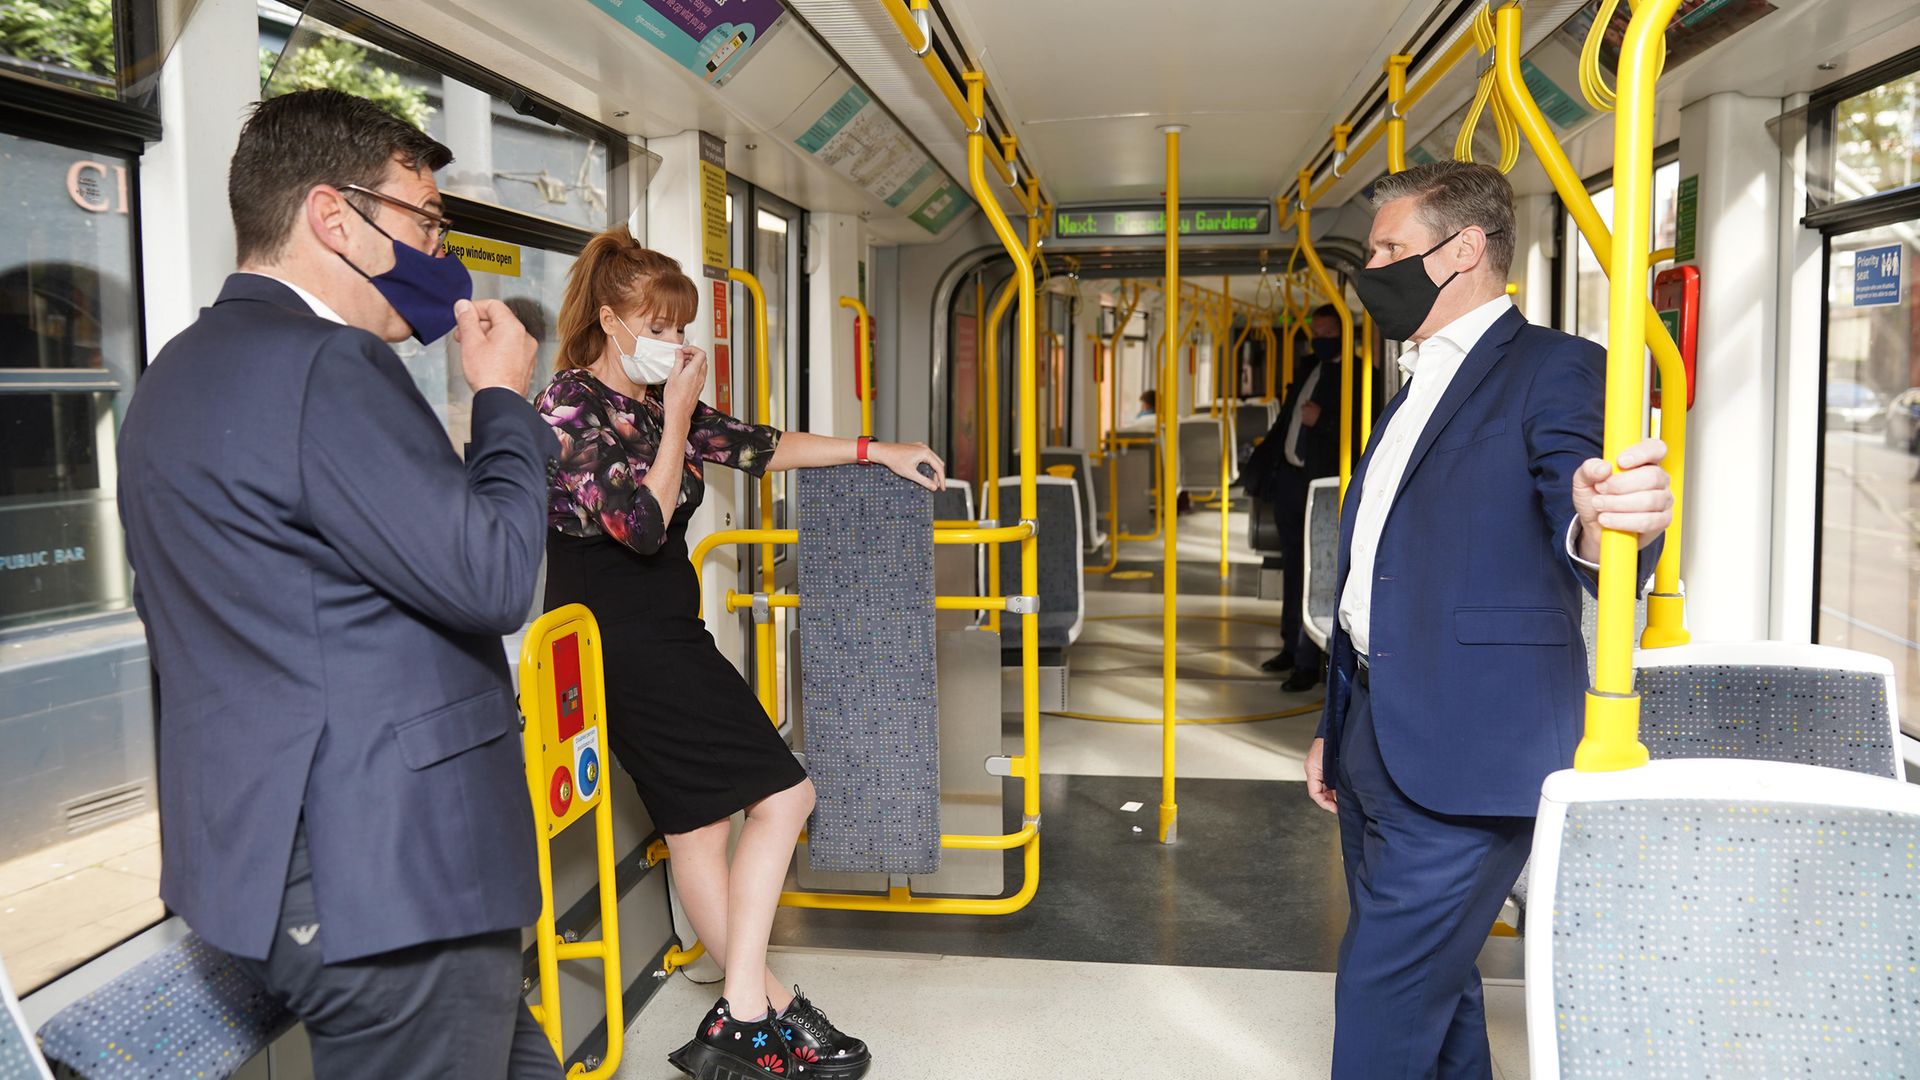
[324,585]
[1478,667]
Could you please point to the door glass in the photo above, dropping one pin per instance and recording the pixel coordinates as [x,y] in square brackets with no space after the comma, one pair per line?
[80,854]
[771,242]
[1870,509]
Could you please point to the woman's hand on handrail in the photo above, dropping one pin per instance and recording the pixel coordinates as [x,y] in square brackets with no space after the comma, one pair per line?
[802,450]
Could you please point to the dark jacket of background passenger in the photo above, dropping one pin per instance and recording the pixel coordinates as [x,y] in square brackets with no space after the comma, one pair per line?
[1478,667]
[324,585]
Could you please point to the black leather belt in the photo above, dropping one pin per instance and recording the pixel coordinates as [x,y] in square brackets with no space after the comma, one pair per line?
[1363,673]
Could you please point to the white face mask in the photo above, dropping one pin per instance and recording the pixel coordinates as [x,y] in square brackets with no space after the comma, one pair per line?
[651,360]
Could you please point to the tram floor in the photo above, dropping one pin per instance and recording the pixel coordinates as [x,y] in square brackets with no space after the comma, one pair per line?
[940,1017]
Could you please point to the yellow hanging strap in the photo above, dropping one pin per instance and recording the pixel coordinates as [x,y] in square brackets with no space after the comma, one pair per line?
[1504,126]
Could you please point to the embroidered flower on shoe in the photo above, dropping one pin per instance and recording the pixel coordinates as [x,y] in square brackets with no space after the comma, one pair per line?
[773,1063]
[759,1039]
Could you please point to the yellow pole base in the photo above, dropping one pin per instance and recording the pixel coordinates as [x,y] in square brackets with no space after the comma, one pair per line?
[1665,613]
[1612,741]
[1169,813]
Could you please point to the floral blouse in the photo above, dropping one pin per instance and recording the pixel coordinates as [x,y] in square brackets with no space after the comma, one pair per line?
[607,444]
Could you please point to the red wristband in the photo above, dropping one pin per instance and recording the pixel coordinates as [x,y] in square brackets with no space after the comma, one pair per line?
[860,449]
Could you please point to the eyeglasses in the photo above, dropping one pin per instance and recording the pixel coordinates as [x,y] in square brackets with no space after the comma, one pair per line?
[435,226]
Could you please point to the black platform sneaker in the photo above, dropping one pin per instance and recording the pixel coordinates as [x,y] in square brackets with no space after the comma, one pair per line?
[816,1043]
[728,1049]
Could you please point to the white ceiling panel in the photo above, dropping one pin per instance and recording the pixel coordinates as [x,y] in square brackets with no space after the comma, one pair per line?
[1259,85]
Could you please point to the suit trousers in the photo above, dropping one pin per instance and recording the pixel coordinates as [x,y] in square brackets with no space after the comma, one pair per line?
[444,1008]
[1423,890]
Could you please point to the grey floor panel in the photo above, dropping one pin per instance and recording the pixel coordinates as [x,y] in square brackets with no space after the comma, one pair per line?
[1253,882]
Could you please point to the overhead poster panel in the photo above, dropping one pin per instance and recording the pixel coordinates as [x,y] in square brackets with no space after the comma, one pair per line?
[711,38]
[846,130]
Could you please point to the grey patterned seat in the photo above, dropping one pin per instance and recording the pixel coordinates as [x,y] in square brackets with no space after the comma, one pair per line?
[1323,553]
[186,1011]
[19,1055]
[1764,701]
[1251,421]
[1724,918]
[868,670]
[1772,701]
[1202,440]
[1139,466]
[1062,563]
[1093,531]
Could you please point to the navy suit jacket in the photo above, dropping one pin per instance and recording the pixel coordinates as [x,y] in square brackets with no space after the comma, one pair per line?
[1478,669]
[324,585]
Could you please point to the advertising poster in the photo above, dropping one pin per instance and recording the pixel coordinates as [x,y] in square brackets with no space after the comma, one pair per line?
[847,131]
[711,38]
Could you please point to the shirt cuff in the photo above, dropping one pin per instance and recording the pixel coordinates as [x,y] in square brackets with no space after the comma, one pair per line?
[1573,547]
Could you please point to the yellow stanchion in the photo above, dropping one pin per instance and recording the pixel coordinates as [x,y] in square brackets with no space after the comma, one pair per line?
[1612,739]
[990,412]
[563,700]
[1303,219]
[1169,508]
[765,641]
[1666,607]
[862,345]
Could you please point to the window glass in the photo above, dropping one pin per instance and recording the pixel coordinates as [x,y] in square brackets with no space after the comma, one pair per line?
[1876,139]
[68,42]
[532,285]
[79,858]
[1590,278]
[500,156]
[1870,486]
[771,253]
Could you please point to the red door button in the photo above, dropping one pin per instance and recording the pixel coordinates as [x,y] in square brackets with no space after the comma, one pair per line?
[560,791]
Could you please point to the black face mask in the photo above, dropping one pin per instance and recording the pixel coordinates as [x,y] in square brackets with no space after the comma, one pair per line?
[1400,295]
[1325,349]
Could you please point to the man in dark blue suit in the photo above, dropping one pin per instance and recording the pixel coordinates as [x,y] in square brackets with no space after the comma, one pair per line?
[324,583]
[1457,667]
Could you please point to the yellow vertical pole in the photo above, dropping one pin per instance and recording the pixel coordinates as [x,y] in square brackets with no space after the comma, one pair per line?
[990,479]
[1169,508]
[980,402]
[1366,378]
[1613,707]
[1228,447]
[1397,65]
[1273,360]
[1029,766]
[1303,222]
[862,355]
[766,642]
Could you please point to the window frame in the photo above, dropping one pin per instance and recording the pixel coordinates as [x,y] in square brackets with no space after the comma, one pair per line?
[124,124]
[409,46]
[1566,269]
[1852,215]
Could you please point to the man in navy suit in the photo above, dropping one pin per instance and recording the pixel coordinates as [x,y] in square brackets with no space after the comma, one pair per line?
[1457,667]
[324,583]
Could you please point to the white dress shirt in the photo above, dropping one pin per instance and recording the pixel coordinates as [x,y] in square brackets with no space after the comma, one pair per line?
[1292,445]
[318,305]
[1431,365]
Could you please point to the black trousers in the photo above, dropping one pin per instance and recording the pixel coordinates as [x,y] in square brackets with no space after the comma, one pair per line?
[442,1009]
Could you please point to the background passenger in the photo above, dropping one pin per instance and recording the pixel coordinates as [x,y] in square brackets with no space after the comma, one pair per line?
[1305,446]
[324,586]
[1457,659]
[682,722]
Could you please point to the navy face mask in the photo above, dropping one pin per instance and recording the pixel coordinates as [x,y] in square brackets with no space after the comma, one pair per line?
[422,288]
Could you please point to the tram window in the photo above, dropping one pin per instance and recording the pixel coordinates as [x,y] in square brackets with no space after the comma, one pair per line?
[1869,585]
[71,43]
[79,841]
[1875,148]
[500,156]
[1588,319]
